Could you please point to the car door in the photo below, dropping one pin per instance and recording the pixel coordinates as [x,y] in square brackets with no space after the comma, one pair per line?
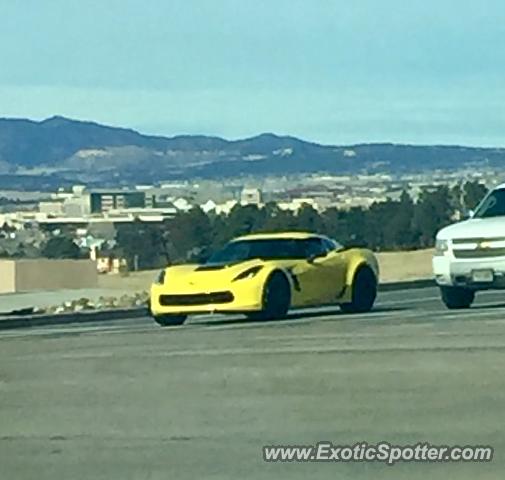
[335,268]
[319,277]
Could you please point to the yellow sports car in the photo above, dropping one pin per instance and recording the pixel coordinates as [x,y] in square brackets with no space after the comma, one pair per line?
[263,275]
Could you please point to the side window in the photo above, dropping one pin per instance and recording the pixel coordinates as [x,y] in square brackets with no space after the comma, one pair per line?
[315,247]
[330,245]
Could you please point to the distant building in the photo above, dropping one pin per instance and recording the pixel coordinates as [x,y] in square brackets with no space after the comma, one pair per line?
[208,206]
[102,201]
[297,203]
[70,204]
[250,196]
[226,207]
[52,208]
[182,204]
[76,207]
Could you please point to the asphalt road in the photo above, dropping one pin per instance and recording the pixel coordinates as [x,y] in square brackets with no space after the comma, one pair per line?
[130,400]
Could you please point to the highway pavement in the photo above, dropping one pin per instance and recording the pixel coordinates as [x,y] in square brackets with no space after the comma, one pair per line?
[131,400]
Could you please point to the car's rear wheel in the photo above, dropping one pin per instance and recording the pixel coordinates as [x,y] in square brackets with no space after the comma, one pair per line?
[364,292]
[457,297]
[169,320]
[276,298]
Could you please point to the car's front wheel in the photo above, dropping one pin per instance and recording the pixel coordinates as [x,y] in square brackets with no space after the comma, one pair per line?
[457,297]
[276,298]
[169,320]
[364,292]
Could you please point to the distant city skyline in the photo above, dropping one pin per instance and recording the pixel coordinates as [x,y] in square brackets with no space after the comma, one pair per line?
[333,72]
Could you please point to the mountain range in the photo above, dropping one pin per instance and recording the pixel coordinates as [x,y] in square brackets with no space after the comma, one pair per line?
[61,150]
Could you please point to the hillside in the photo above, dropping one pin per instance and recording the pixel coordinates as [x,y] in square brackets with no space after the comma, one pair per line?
[59,148]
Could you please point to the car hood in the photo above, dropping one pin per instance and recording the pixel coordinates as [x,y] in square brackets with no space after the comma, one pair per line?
[474,228]
[209,274]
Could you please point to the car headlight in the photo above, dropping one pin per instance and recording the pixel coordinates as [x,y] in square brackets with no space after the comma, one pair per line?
[249,273]
[160,279]
[441,246]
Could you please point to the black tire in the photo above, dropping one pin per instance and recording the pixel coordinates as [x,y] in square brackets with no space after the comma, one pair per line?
[364,292]
[276,298]
[457,297]
[169,320]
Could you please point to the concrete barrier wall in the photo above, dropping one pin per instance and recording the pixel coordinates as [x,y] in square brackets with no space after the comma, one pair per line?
[394,267]
[404,266]
[7,276]
[47,274]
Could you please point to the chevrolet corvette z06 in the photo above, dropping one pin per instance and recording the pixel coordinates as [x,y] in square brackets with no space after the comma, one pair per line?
[264,275]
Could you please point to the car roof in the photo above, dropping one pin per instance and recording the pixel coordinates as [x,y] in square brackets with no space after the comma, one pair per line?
[278,235]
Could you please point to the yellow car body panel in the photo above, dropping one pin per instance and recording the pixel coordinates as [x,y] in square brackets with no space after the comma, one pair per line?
[211,288]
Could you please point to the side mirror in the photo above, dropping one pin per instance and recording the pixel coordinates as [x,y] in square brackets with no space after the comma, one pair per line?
[315,256]
[464,214]
[202,258]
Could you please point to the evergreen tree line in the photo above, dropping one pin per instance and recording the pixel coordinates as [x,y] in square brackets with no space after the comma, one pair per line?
[390,225]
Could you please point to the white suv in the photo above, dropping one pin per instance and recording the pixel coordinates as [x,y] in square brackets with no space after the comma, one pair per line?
[470,255]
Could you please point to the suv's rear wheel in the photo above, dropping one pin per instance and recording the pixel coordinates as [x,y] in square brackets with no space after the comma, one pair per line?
[169,320]
[457,297]
[364,292]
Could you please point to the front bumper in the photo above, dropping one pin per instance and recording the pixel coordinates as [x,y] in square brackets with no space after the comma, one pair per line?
[452,271]
[242,297]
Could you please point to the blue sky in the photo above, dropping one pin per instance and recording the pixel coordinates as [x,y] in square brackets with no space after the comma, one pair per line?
[333,71]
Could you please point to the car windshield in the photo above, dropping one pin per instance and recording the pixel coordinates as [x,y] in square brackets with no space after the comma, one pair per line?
[492,206]
[269,249]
